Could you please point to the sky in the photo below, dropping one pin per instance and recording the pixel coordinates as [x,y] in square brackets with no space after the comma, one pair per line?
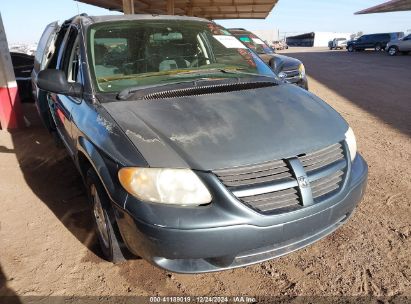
[25,20]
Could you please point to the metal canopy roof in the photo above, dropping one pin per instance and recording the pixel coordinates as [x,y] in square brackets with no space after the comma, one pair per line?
[390,6]
[210,9]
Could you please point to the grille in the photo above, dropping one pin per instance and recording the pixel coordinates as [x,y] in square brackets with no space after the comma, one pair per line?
[322,158]
[272,187]
[291,73]
[257,174]
[280,200]
[327,185]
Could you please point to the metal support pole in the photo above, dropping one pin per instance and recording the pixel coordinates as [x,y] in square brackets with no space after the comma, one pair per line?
[170,7]
[11,116]
[128,7]
[190,11]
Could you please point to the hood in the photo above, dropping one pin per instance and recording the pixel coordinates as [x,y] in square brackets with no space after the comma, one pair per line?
[224,130]
[281,62]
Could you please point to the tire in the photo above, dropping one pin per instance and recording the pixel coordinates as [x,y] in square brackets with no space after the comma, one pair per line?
[378,47]
[393,51]
[104,219]
[350,48]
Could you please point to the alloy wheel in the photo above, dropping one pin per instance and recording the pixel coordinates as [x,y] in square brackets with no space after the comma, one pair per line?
[100,216]
[392,51]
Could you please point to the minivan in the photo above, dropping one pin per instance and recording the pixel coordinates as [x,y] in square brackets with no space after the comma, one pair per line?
[195,155]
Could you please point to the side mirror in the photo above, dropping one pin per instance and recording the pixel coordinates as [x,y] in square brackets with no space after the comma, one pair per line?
[273,64]
[56,81]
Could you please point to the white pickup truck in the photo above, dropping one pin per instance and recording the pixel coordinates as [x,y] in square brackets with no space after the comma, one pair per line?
[337,43]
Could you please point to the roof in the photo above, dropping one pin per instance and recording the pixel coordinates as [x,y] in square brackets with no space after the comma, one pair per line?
[390,6]
[210,9]
[109,18]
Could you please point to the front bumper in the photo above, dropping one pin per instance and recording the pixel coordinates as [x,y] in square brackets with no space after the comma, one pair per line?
[219,247]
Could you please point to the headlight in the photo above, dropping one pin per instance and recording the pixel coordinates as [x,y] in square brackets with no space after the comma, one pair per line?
[351,143]
[166,186]
[301,69]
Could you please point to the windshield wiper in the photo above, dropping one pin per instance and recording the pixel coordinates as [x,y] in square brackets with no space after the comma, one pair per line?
[126,93]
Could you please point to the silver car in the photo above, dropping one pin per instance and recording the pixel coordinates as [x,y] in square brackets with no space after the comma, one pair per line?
[402,45]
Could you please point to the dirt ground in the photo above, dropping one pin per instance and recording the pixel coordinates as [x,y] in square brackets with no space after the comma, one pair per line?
[47,246]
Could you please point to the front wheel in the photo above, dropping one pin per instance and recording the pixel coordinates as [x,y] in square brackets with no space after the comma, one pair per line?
[104,219]
[393,51]
[350,48]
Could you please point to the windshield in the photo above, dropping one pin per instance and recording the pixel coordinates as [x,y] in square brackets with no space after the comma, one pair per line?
[150,52]
[255,44]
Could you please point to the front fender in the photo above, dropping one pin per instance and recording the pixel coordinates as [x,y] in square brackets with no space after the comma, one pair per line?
[97,162]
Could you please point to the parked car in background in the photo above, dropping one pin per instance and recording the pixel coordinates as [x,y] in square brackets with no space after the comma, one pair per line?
[279,45]
[377,42]
[337,43]
[23,66]
[288,68]
[195,156]
[402,45]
